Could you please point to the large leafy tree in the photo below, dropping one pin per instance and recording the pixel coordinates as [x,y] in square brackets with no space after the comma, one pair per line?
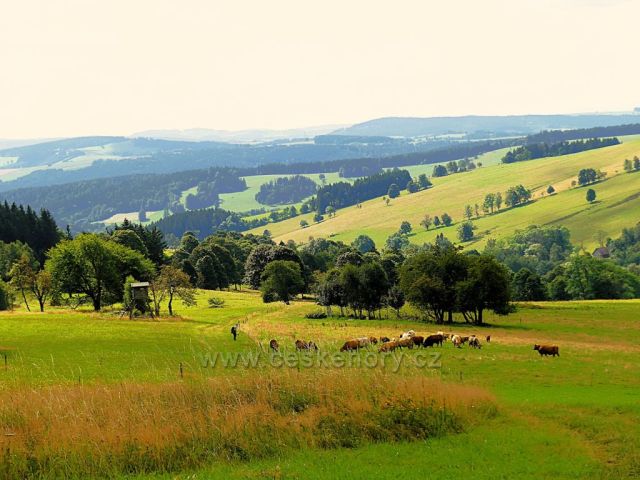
[95,266]
[429,280]
[591,278]
[527,285]
[264,254]
[281,280]
[363,243]
[487,287]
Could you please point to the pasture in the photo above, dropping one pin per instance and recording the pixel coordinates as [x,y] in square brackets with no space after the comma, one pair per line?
[617,203]
[245,200]
[574,416]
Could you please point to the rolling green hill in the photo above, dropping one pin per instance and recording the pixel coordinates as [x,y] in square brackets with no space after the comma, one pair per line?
[617,205]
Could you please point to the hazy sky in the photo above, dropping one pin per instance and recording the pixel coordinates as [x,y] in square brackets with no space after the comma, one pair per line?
[78,67]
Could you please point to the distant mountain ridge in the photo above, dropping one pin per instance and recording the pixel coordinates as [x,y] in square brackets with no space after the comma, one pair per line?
[239,136]
[471,124]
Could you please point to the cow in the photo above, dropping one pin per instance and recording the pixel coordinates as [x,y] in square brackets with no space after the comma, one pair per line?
[488,338]
[552,350]
[273,345]
[417,340]
[445,336]
[313,346]
[363,341]
[373,340]
[350,345]
[384,339]
[464,340]
[301,345]
[456,340]
[432,340]
[405,342]
[388,346]
[474,342]
[407,334]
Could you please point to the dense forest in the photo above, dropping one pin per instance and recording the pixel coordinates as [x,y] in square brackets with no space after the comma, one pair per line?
[202,222]
[19,224]
[541,150]
[553,136]
[342,194]
[285,190]
[79,204]
[444,154]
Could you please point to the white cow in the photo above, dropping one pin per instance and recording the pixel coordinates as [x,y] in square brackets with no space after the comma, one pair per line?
[408,334]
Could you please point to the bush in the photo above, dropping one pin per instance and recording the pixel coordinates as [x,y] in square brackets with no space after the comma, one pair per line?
[316,315]
[216,302]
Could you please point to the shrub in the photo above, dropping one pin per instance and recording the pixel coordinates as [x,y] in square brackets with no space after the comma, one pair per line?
[316,315]
[216,302]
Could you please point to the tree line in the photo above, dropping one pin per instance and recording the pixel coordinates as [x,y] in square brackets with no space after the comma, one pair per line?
[285,190]
[554,136]
[440,280]
[541,150]
[342,194]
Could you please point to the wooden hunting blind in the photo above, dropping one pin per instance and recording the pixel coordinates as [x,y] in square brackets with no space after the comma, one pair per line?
[140,291]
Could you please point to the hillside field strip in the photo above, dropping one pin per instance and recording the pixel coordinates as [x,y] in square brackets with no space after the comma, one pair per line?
[617,204]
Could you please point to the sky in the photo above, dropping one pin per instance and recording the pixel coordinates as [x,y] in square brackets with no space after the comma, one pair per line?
[84,67]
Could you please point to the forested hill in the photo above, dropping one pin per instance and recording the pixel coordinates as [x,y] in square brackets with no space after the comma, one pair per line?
[78,204]
[474,124]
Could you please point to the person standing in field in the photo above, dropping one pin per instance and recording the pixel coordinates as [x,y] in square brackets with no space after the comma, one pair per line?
[234,331]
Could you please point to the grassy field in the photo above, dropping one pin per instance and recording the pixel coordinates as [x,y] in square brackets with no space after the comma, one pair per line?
[617,206]
[245,200]
[575,416]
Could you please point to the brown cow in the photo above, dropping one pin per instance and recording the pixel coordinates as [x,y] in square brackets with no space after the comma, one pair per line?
[464,340]
[417,340]
[388,347]
[405,342]
[373,340]
[350,345]
[488,338]
[301,345]
[552,350]
[273,345]
[384,339]
[432,340]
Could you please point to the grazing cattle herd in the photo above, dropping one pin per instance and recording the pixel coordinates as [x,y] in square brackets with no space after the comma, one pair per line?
[410,339]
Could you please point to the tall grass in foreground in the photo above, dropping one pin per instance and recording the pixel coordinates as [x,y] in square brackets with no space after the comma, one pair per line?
[108,431]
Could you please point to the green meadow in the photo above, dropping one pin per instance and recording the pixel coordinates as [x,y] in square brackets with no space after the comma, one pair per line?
[573,416]
[245,200]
